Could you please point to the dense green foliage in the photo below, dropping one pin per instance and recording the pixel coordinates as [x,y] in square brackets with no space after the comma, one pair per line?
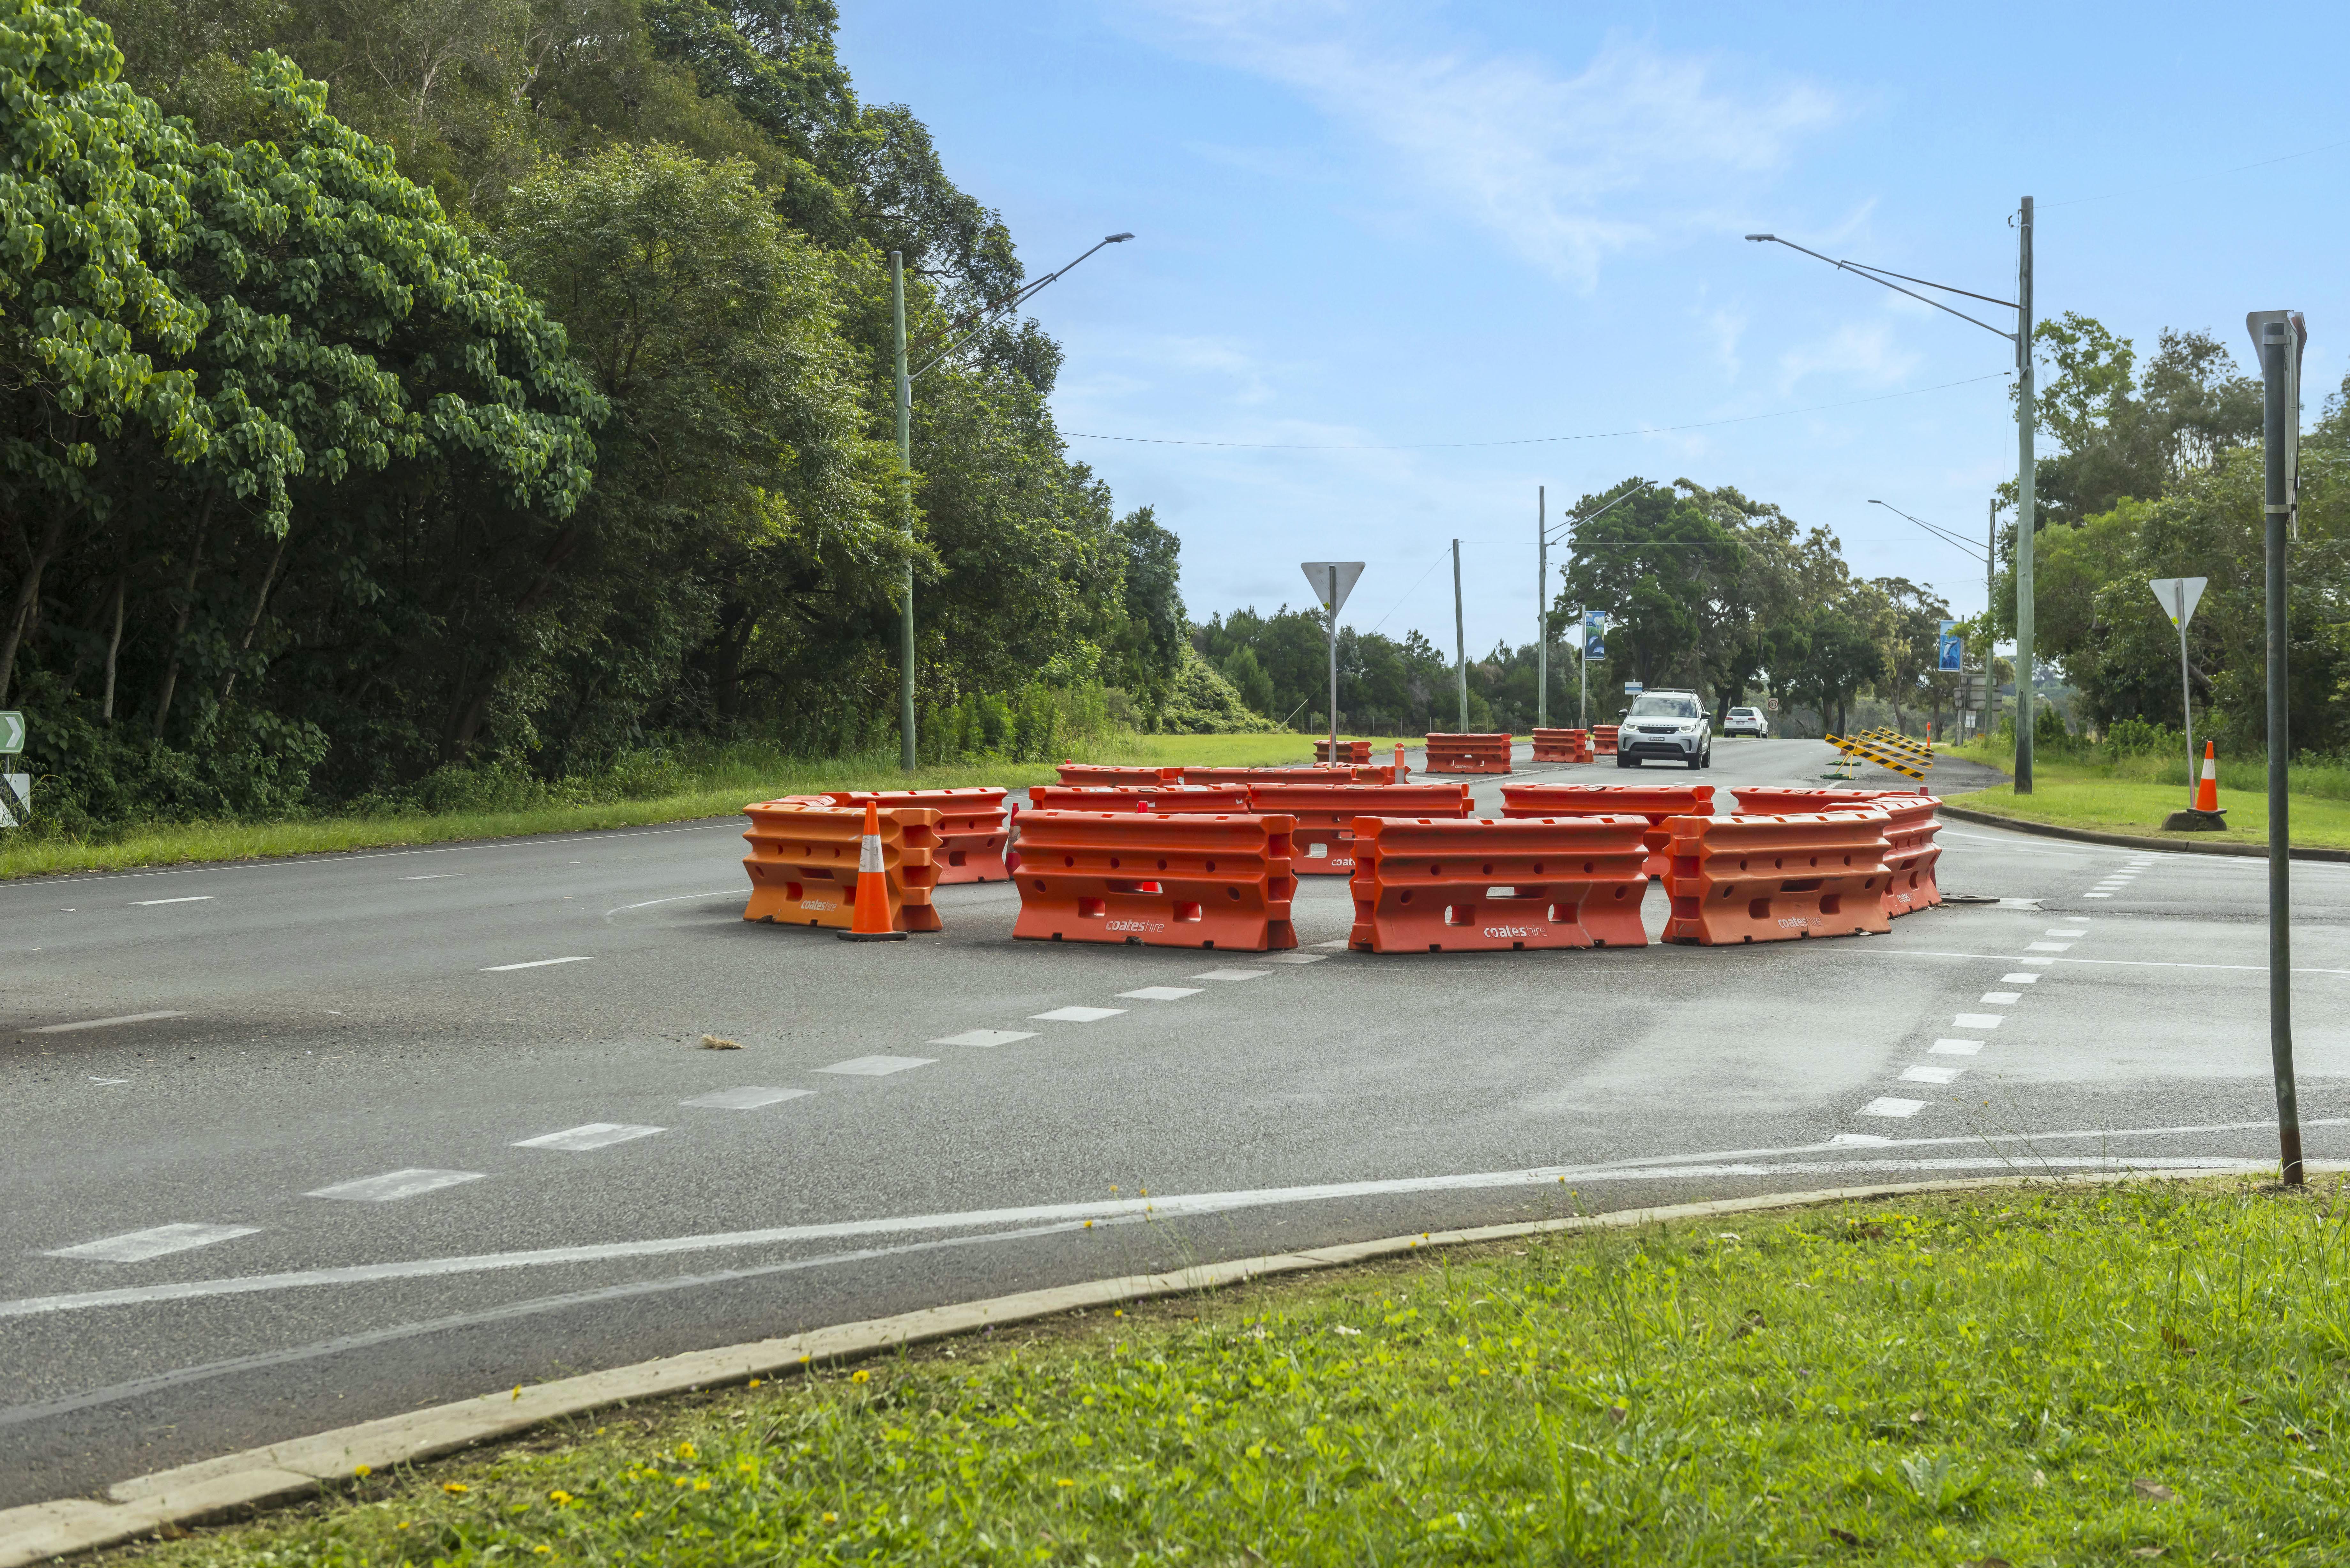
[395,386]
[2006,1376]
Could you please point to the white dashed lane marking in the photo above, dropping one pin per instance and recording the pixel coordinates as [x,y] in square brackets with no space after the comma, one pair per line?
[2019,980]
[749,1098]
[1979,1020]
[1892,1105]
[1922,1075]
[138,1246]
[1955,1047]
[591,1135]
[875,1067]
[985,1037]
[103,1022]
[2002,998]
[1232,974]
[2050,947]
[2064,931]
[1078,1014]
[1161,992]
[394,1185]
[534,963]
[1291,958]
[190,898]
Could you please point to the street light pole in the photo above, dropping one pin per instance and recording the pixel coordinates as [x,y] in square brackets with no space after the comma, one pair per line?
[1459,638]
[969,325]
[1542,615]
[2025,416]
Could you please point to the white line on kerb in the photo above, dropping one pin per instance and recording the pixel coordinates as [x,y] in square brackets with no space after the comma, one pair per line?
[534,963]
[190,898]
[102,1023]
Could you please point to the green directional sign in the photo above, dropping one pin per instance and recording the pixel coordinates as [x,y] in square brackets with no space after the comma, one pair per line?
[12,733]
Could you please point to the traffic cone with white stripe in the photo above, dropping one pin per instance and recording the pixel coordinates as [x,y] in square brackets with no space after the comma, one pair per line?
[1400,770]
[2207,793]
[870,920]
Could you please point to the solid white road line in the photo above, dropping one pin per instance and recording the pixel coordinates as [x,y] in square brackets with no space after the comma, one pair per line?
[190,898]
[1955,1047]
[394,1185]
[103,1022]
[1922,1075]
[591,1135]
[747,1098]
[985,1037]
[876,1066]
[1979,1020]
[1892,1105]
[1161,992]
[138,1246]
[1078,1014]
[1231,974]
[435,877]
[534,963]
[1162,1208]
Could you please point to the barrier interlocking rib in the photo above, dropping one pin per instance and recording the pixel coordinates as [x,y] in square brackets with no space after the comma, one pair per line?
[1303,772]
[1736,880]
[974,827]
[802,864]
[1468,754]
[1657,803]
[1484,885]
[1206,880]
[1322,842]
[1562,745]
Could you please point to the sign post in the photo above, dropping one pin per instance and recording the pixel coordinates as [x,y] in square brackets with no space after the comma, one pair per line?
[1333,581]
[15,789]
[2178,597]
[1595,646]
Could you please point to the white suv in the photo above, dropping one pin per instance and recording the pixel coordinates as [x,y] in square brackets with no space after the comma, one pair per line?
[1746,722]
[1669,724]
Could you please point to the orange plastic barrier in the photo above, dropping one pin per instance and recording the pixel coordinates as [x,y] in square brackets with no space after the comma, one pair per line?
[1355,753]
[1485,884]
[1911,825]
[1736,880]
[1603,739]
[1476,753]
[1178,881]
[1657,803]
[974,827]
[1778,800]
[1303,772]
[1107,774]
[802,864]
[1561,746]
[1322,842]
[1162,797]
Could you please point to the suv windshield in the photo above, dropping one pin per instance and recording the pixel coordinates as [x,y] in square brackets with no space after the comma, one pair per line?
[1663,705]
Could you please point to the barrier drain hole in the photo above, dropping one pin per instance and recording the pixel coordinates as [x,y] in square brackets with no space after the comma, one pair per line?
[1407,897]
[1184,911]
[1832,904]
[954,857]
[1760,910]
[1232,892]
[1092,908]
[1162,866]
[1066,860]
[1212,866]
[794,892]
[1459,914]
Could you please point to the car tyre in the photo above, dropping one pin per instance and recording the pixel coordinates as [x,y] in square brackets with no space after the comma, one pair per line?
[1623,760]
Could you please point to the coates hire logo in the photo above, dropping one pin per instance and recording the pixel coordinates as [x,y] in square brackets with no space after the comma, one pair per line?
[1134,926]
[1515,933]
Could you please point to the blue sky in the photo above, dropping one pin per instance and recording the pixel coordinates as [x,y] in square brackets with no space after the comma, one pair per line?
[1384,226]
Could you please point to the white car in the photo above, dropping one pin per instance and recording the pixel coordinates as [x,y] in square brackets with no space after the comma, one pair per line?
[1746,722]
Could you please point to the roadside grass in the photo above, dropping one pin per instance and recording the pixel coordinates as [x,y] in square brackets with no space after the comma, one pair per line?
[2134,795]
[2011,1376]
[719,784]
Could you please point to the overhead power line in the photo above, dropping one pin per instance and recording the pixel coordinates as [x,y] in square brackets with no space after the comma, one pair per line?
[1526,440]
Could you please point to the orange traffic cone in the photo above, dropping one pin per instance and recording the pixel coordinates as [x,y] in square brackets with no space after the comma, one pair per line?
[2207,793]
[1399,769]
[870,920]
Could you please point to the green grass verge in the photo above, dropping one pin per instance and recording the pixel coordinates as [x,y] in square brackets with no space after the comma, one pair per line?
[2128,797]
[718,788]
[2022,1376]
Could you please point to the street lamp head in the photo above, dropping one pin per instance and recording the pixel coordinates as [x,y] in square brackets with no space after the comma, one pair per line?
[1873,501]
[1762,236]
[1116,238]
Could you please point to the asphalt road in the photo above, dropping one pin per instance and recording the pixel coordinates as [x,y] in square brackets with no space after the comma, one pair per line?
[293,1144]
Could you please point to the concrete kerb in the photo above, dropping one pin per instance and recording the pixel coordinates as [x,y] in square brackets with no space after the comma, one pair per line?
[309,1467]
[2132,841]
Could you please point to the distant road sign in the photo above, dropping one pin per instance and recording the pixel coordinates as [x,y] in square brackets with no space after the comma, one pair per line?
[1632,688]
[2177,596]
[1952,651]
[12,733]
[1332,580]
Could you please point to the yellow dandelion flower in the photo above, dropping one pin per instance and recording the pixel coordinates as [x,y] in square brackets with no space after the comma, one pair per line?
[832,1518]
[860,1376]
[702,1485]
[755,1382]
[363,1472]
[543,1550]
[455,1489]
[559,1498]
[1064,1481]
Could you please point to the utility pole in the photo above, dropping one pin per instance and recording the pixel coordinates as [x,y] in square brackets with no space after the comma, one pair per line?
[1541,614]
[906,458]
[1459,638]
[2280,336]
[1583,669]
[2027,510]
[1990,634]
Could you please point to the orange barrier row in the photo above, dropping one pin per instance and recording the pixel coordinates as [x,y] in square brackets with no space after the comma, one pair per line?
[1303,772]
[1108,774]
[1482,885]
[1603,739]
[1735,879]
[1561,746]
[1355,754]
[1323,841]
[973,828]
[1166,881]
[802,864]
[1911,826]
[1473,753]
[1657,803]
[1159,797]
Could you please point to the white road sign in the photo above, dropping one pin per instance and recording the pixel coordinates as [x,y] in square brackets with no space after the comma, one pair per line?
[2180,597]
[1333,581]
[12,733]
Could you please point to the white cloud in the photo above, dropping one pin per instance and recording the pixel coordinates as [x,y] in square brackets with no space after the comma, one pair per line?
[1863,352]
[1566,169]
